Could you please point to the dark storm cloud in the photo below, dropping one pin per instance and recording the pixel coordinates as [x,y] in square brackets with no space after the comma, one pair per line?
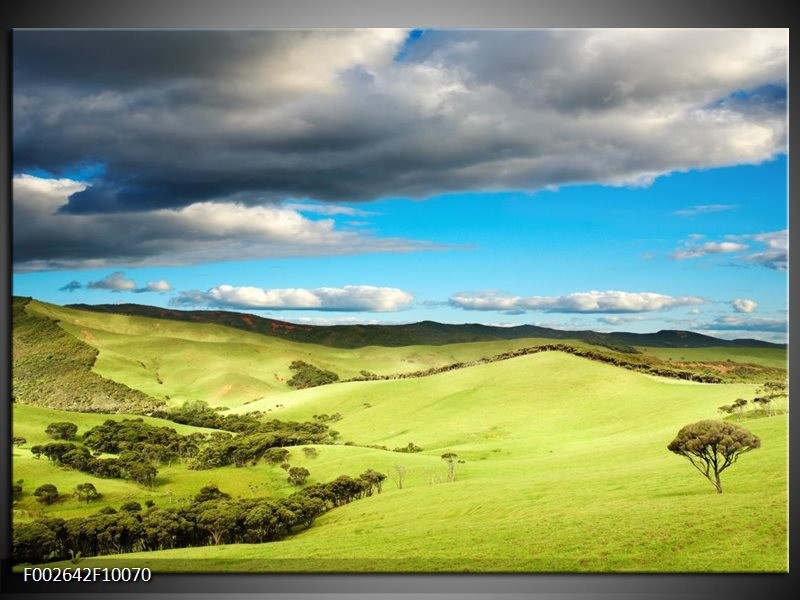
[179,119]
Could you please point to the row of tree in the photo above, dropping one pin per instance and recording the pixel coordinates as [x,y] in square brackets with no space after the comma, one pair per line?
[212,518]
[765,396]
[635,364]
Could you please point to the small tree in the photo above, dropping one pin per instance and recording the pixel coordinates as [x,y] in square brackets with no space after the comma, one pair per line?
[310,452]
[739,405]
[86,491]
[298,475]
[46,493]
[62,431]
[713,446]
[131,506]
[401,471]
[725,409]
[450,458]
[18,441]
[770,391]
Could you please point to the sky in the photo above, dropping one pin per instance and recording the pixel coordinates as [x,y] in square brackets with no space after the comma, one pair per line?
[615,180]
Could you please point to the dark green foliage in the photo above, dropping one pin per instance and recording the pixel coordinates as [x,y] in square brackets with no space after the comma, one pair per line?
[713,446]
[297,475]
[306,376]
[107,510]
[18,441]
[210,492]
[374,480]
[310,452]
[410,448]
[212,518]
[33,542]
[52,368]
[87,492]
[16,490]
[131,506]
[276,456]
[62,431]
[46,494]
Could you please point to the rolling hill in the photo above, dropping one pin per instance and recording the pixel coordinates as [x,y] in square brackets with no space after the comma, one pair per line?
[565,466]
[422,333]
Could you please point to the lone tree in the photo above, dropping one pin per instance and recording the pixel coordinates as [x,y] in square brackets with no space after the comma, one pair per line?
[46,493]
[450,458]
[739,405]
[713,446]
[62,431]
[86,491]
[298,475]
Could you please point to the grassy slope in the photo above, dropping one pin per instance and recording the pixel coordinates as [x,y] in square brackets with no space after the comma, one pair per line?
[767,357]
[567,469]
[229,367]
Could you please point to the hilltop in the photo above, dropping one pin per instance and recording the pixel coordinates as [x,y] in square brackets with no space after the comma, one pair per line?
[422,333]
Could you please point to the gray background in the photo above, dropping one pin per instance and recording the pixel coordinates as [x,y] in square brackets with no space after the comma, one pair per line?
[263,14]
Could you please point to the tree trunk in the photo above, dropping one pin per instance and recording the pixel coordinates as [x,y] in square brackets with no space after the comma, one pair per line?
[717,483]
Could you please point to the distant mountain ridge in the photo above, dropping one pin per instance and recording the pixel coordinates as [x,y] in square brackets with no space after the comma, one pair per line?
[423,332]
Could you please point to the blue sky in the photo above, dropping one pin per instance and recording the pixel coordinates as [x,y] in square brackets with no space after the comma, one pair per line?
[613,202]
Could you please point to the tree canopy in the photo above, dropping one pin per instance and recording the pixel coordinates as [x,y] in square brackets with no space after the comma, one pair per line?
[713,446]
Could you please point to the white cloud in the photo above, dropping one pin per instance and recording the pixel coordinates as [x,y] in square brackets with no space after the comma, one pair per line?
[615,320]
[162,285]
[116,282]
[348,298]
[578,302]
[737,323]
[775,257]
[702,209]
[200,232]
[693,250]
[327,209]
[744,305]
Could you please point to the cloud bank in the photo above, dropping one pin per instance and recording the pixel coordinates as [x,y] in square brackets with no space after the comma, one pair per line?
[578,302]
[370,113]
[348,298]
[45,237]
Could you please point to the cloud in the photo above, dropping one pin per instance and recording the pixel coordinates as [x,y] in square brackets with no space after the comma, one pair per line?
[775,256]
[737,323]
[348,298]
[615,320]
[71,286]
[327,209]
[47,238]
[703,209]
[578,302]
[743,305]
[694,250]
[349,115]
[116,282]
[161,285]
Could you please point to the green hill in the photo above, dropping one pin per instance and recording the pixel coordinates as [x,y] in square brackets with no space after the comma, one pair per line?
[52,368]
[422,333]
[566,469]
[565,466]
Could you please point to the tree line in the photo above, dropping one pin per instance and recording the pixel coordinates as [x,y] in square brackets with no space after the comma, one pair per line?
[211,518]
[617,361]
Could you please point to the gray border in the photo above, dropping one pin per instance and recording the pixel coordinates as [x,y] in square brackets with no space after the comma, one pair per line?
[251,14]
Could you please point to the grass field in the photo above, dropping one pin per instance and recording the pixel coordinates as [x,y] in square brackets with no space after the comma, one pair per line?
[565,461]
